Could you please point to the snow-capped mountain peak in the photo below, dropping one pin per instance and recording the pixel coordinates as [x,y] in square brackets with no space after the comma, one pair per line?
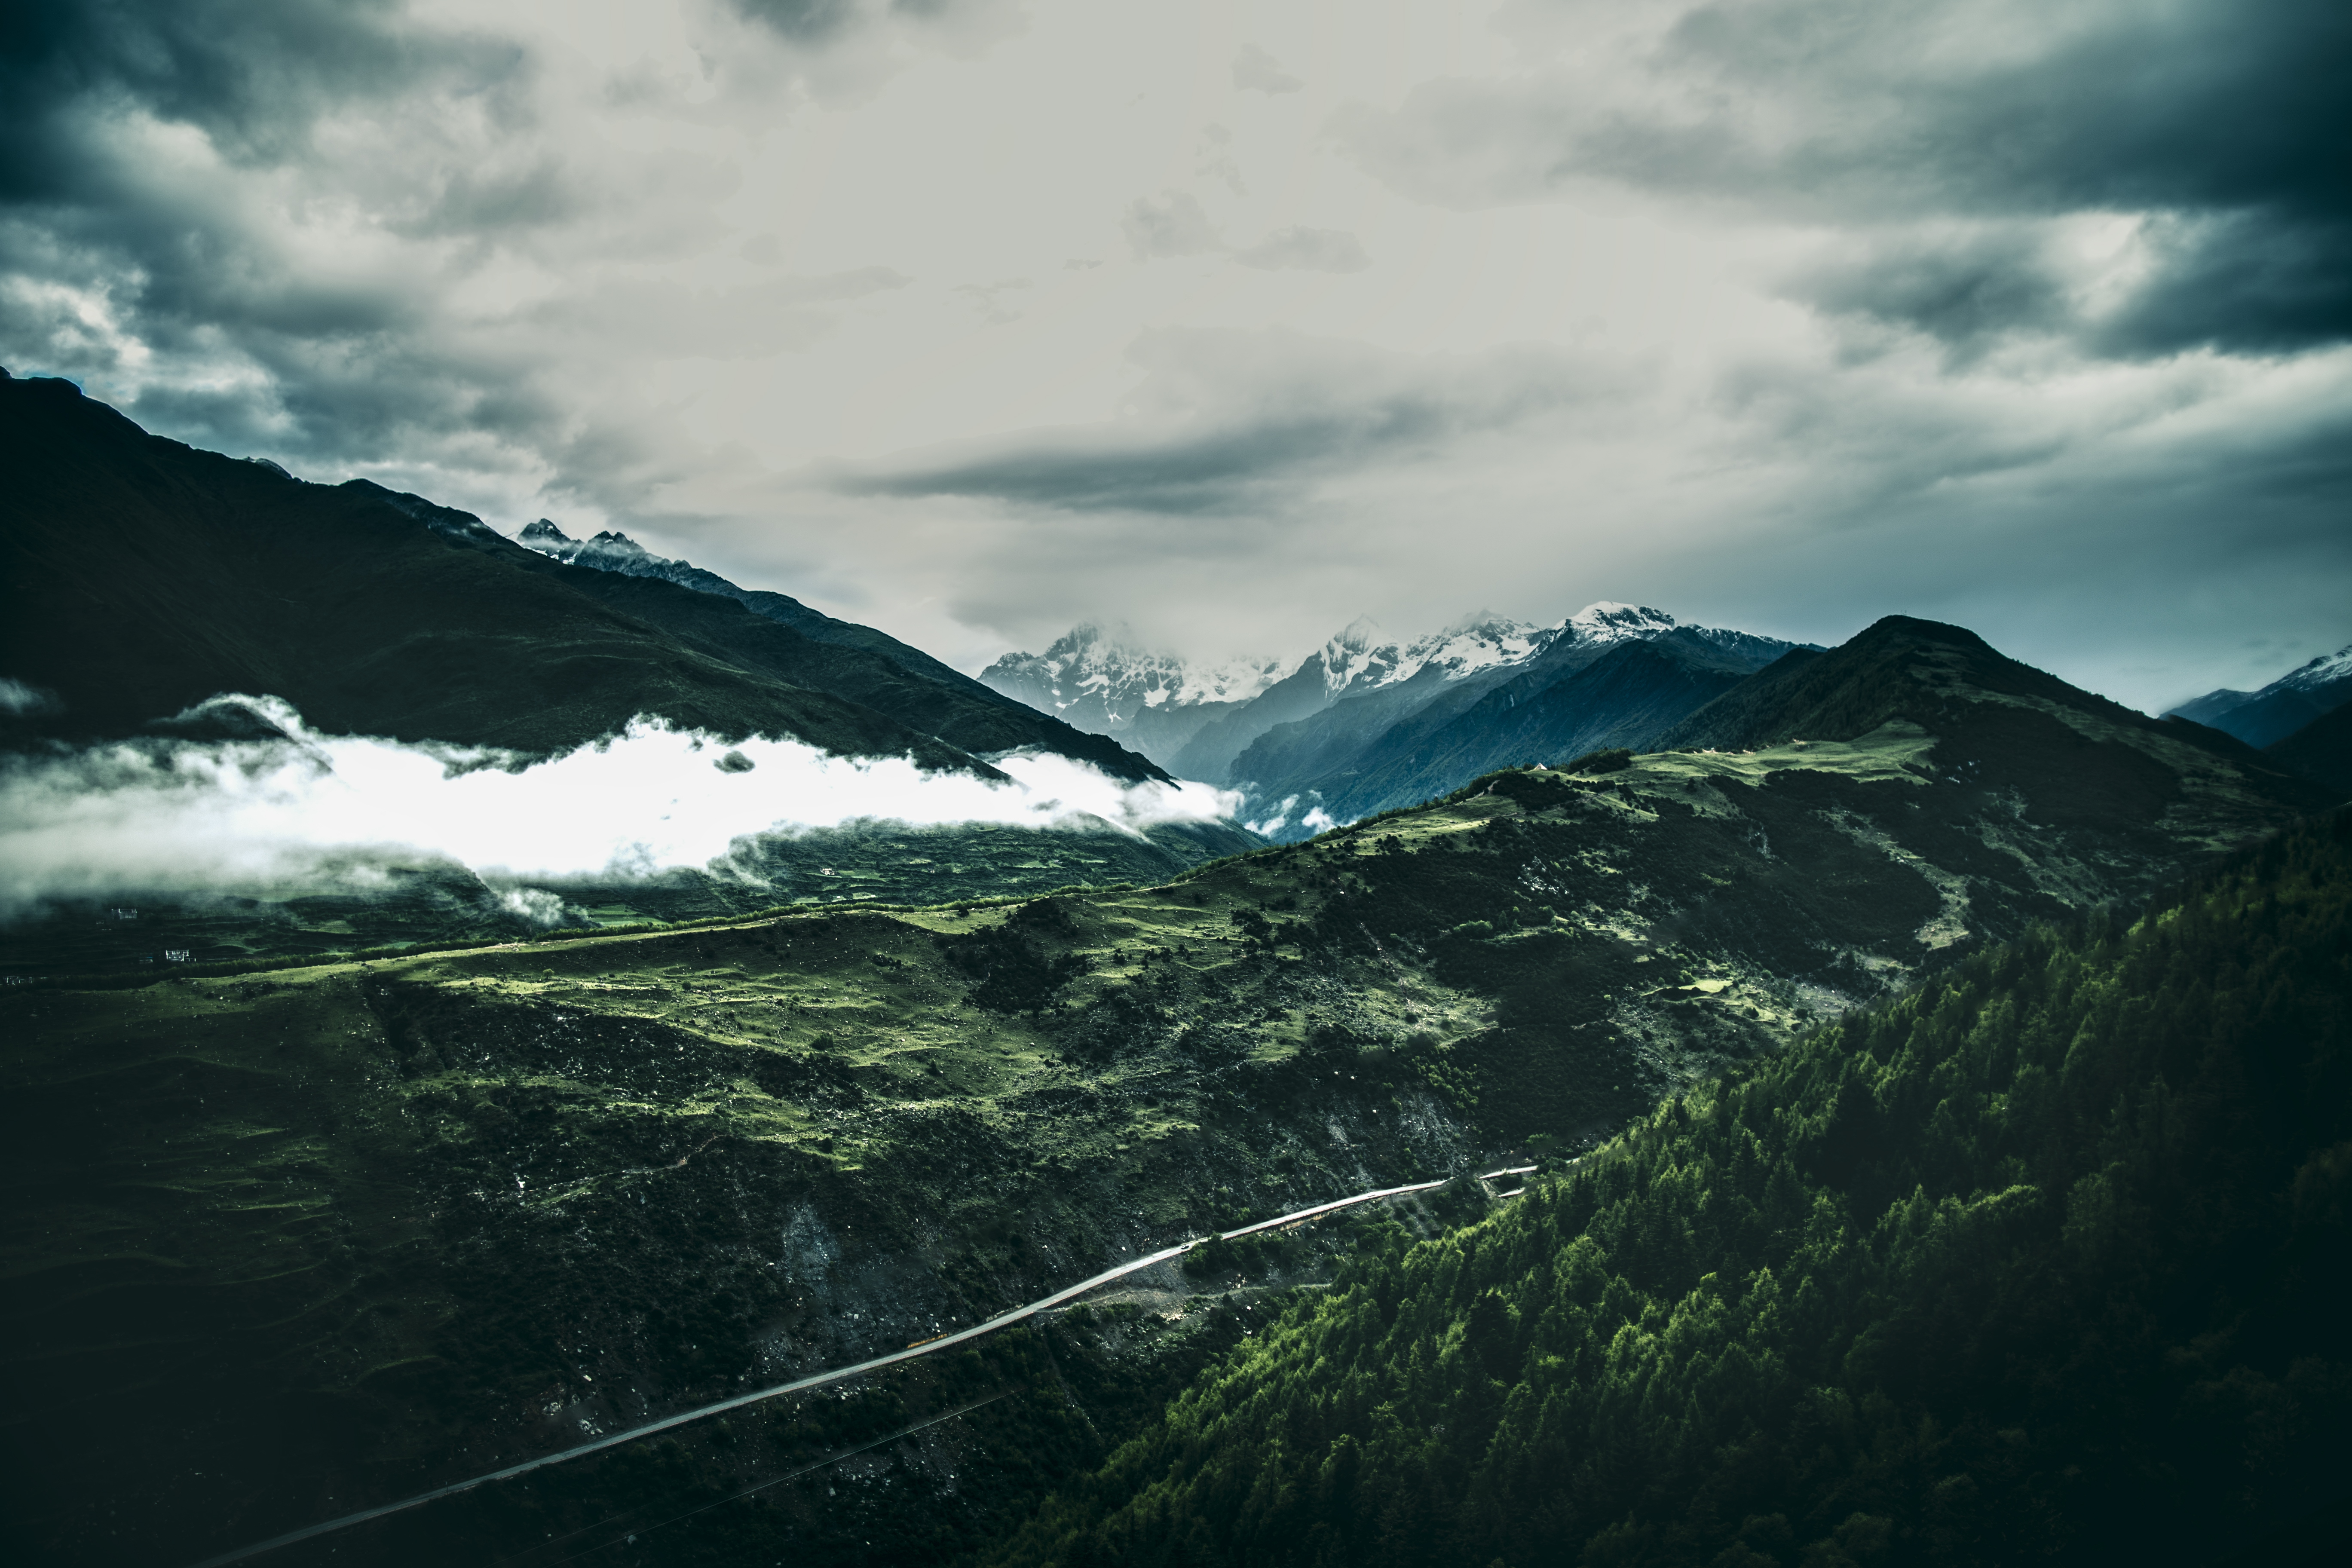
[1359,660]
[1090,675]
[1356,654]
[608,550]
[1607,621]
[2325,670]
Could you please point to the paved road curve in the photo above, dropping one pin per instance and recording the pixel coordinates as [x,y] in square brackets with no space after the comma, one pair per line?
[816,1380]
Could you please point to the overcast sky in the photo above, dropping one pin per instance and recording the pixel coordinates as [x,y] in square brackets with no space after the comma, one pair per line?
[973,318]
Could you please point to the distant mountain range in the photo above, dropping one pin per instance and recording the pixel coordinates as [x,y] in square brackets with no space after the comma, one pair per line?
[146,576]
[1365,724]
[1154,702]
[2269,715]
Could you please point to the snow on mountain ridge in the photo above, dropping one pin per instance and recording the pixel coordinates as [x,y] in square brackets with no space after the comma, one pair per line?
[1354,662]
[1607,621]
[1087,666]
[2325,670]
[1104,677]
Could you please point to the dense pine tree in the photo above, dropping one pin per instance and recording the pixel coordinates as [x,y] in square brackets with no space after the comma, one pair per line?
[2048,1258]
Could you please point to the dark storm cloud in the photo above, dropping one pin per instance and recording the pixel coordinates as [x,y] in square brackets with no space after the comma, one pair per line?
[1967,287]
[1227,421]
[2225,125]
[251,74]
[179,271]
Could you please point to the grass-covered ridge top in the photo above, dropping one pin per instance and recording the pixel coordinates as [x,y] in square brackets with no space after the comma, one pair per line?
[2048,1253]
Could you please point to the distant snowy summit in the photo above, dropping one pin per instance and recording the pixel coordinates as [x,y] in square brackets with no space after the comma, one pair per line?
[1198,715]
[1098,680]
[1356,660]
[1090,676]
[2263,718]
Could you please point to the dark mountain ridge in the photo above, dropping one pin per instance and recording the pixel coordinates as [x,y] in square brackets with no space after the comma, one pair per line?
[617,553]
[146,576]
[1332,714]
[1897,667]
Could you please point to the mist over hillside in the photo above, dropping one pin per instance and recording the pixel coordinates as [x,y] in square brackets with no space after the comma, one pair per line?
[581,1165]
[523,1049]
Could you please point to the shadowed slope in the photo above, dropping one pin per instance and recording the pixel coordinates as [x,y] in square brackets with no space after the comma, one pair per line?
[1623,698]
[2321,750]
[840,656]
[146,576]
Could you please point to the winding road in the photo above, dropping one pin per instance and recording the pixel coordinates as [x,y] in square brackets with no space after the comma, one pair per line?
[815,1380]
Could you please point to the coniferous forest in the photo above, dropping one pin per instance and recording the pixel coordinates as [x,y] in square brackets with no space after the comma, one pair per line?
[2045,1260]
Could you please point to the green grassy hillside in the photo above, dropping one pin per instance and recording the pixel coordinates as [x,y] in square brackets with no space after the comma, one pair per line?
[434,904]
[2045,1260]
[342,1231]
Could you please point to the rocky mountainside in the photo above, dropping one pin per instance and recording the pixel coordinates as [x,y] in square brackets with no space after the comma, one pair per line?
[2279,710]
[144,576]
[345,1232]
[1152,702]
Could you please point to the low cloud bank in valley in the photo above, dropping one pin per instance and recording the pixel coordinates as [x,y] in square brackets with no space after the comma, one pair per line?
[297,810]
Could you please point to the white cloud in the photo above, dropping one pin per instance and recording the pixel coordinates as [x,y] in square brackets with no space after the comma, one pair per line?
[315,810]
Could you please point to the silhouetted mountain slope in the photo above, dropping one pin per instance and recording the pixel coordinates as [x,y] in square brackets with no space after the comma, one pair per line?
[1360,665]
[1994,719]
[729,630]
[1211,752]
[1282,759]
[617,552]
[146,576]
[2321,750]
[1898,668]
